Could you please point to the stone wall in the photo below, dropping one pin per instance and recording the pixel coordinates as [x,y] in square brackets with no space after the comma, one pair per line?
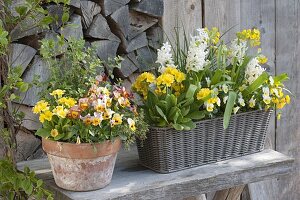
[114,27]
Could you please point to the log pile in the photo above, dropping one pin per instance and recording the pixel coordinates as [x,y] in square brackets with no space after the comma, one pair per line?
[129,28]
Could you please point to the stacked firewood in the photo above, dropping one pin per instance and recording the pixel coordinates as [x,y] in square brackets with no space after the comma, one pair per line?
[129,28]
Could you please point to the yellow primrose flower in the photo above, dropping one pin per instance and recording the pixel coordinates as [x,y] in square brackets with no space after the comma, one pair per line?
[165,79]
[40,106]
[69,102]
[47,115]
[204,92]
[131,124]
[54,132]
[178,75]
[57,93]
[60,111]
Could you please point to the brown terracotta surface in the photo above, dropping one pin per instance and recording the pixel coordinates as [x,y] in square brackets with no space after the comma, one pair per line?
[81,151]
[82,167]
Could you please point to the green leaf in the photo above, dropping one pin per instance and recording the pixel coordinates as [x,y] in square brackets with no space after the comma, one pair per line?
[39,183]
[172,112]
[21,10]
[191,91]
[42,132]
[196,115]
[281,77]
[185,110]
[228,110]
[217,77]
[161,113]
[12,97]
[256,84]
[65,17]
[178,127]
[47,20]
[24,87]
[189,125]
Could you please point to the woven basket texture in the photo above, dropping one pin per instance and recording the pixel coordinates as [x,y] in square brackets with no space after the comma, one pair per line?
[167,150]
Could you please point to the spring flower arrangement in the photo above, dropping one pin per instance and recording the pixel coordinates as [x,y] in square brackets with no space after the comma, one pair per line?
[208,79]
[106,112]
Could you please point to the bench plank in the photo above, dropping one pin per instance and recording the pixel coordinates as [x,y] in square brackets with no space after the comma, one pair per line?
[132,181]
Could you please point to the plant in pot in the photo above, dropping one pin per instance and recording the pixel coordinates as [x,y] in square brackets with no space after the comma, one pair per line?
[219,110]
[83,129]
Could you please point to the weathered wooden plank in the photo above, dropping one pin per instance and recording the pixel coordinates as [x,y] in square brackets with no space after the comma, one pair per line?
[183,14]
[40,68]
[223,14]
[229,194]
[21,55]
[261,14]
[132,181]
[153,8]
[287,60]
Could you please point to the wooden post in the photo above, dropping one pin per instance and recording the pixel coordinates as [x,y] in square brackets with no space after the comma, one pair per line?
[229,194]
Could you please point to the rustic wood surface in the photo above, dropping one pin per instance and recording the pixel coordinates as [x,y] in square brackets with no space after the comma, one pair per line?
[132,181]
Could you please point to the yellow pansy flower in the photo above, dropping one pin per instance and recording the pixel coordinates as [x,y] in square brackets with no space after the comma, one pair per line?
[116,120]
[131,124]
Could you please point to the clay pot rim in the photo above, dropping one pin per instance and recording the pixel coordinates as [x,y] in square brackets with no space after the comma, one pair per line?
[83,150]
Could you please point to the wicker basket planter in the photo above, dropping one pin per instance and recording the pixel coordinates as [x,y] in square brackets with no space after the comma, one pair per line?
[167,150]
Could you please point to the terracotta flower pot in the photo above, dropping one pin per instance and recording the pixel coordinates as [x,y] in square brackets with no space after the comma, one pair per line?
[82,167]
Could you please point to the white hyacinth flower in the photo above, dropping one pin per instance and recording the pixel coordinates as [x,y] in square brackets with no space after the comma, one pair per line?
[238,50]
[253,70]
[196,57]
[165,57]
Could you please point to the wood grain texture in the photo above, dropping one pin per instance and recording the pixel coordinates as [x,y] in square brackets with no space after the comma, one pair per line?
[261,14]
[224,14]
[229,194]
[287,60]
[132,181]
[185,14]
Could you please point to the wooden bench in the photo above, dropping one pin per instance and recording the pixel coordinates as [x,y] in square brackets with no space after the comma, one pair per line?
[132,181]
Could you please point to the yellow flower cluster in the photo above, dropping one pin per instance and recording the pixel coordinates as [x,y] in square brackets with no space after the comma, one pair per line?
[57,93]
[253,35]
[210,98]
[170,78]
[214,35]
[262,59]
[69,102]
[40,107]
[141,85]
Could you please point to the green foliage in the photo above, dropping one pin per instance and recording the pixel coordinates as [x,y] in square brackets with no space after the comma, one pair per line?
[15,184]
[170,110]
[74,70]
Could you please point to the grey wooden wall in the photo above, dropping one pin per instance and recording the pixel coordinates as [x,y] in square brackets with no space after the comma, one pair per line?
[279,22]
